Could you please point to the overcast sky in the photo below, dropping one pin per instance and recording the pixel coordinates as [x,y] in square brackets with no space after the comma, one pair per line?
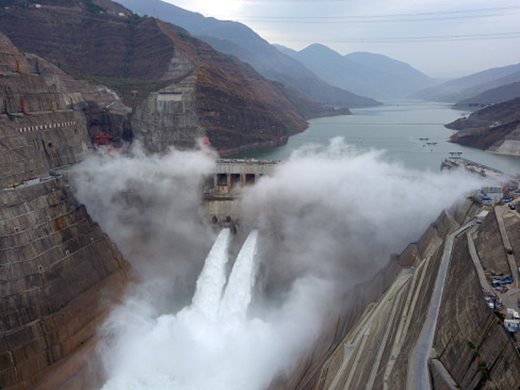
[443,38]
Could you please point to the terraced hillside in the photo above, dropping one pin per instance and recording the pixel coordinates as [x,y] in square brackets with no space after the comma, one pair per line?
[400,340]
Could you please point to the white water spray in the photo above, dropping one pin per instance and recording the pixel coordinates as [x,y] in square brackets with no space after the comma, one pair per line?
[196,339]
[237,296]
[212,278]
[186,350]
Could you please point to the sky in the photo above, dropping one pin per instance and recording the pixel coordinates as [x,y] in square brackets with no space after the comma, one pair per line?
[443,38]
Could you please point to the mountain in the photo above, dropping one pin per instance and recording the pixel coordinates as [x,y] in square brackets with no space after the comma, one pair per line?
[495,128]
[363,73]
[491,96]
[178,87]
[466,87]
[240,41]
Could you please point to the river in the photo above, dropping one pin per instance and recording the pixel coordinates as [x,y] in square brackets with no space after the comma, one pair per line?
[395,128]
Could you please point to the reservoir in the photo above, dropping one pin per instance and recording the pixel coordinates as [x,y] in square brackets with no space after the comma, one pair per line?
[411,133]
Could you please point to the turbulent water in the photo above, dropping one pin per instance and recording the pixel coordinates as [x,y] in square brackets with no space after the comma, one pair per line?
[238,291]
[213,277]
[192,349]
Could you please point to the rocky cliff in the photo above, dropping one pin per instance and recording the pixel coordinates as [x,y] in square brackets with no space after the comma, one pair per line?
[58,271]
[495,128]
[179,87]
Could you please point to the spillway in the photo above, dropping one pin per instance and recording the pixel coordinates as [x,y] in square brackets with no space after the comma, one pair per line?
[212,278]
[237,294]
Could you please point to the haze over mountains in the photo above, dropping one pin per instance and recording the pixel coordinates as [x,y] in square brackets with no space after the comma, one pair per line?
[240,41]
[491,96]
[475,84]
[363,73]
[326,76]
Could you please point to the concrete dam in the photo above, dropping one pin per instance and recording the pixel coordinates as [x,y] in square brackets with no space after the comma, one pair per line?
[221,191]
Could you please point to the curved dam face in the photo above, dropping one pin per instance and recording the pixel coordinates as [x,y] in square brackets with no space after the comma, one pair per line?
[378,338]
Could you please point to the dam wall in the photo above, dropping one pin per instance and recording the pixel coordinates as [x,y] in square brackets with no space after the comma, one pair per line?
[222,190]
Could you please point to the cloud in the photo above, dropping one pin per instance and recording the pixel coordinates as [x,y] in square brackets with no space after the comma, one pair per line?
[150,205]
[338,213]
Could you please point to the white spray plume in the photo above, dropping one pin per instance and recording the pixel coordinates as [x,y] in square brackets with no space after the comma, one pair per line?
[339,213]
[329,218]
[150,206]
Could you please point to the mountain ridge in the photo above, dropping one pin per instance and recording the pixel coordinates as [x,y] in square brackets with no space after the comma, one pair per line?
[242,42]
[491,96]
[471,85]
[178,87]
[362,72]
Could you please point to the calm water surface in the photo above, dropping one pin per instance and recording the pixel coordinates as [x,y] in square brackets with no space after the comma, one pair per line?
[396,129]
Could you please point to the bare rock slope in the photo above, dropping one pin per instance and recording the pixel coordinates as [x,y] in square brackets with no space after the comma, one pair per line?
[495,128]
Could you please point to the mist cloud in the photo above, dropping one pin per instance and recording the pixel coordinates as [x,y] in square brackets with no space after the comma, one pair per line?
[149,205]
[328,219]
[339,214]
